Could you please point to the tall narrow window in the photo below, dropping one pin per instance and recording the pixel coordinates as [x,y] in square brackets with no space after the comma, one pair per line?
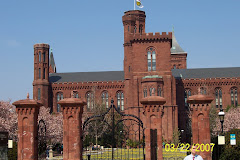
[39,94]
[145,92]
[187,94]
[39,54]
[43,73]
[159,91]
[151,58]
[105,99]
[44,56]
[151,91]
[90,101]
[120,100]
[234,97]
[140,29]
[39,73]
[203,91]
[59,97]
[218,97]
[135,29]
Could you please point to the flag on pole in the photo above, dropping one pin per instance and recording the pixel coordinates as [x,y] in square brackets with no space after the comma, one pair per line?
[139,3]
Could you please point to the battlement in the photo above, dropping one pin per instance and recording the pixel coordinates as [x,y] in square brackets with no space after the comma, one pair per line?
[41,45]
[151,36]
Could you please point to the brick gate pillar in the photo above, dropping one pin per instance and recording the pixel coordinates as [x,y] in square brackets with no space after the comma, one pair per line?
[27,111]
[200,108]
[72,109]
[153,112]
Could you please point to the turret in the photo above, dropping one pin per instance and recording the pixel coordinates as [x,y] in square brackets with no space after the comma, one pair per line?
[134,23]
[41,73]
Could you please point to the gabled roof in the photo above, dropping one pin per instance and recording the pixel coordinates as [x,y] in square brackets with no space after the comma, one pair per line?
[87,76]
[176,49]
[230,72]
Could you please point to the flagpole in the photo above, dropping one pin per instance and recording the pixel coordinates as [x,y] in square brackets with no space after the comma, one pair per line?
[134,4]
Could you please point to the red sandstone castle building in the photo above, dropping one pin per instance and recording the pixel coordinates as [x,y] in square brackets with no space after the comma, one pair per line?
[153,64]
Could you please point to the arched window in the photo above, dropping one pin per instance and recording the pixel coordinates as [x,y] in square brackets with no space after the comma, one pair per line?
[151,57]
[75,94]
[203,91]
[140,29]
[39,73]
[44,73]
[39,94]
[90,100]
[159,91]
[145,92]
[44,56]
[59,97]
[105,99]
[120,100]
[39,54]
[187,94]
[234,96]
[218,97]
[151,91]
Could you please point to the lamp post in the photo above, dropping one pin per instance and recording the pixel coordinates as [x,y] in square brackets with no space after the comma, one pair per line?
[221,117]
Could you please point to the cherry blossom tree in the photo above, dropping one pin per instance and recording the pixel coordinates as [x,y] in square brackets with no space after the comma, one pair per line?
[231,120]
[54,125]
[8,119]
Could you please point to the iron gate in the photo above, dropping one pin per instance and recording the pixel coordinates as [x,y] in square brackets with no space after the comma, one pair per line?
[113,135]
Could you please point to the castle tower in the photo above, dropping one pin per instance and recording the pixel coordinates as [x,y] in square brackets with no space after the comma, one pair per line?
[133,23]
[41,73]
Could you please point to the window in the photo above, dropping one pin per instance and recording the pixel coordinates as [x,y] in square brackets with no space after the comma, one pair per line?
[105,99]
[140,29]
[120,100]
[89,101]
[159,91]
[151,58]
[43,73]
[59,97]
[135,29]
[75,94]
[128,28]
[39,73]
[145,92]
[39,94]
[203,90]
[187,94]
[151,91]
[234,97]
[218,97]
[44,56]
[39,54]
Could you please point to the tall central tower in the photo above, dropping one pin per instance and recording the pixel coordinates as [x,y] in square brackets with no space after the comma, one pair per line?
[147,69]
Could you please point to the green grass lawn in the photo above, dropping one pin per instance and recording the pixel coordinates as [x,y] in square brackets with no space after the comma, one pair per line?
[128,154]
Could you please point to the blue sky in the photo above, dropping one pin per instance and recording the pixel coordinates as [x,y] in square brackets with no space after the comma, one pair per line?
[88,35]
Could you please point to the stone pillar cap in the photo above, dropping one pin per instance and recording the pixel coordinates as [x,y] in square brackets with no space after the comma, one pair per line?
[153,100]
[199,99]
[72,101]
[27,102]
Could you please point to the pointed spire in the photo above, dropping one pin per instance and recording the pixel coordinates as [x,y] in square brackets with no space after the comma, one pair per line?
[52,65]
[176,49]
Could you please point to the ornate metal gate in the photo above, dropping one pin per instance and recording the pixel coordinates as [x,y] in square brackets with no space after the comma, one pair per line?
[113,135]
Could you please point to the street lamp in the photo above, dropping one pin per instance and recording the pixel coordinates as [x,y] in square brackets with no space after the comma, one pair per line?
[221,117]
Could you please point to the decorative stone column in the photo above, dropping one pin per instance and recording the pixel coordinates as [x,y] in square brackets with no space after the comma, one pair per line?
[72,109]
[27,111]
[200,108]
[153,111]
